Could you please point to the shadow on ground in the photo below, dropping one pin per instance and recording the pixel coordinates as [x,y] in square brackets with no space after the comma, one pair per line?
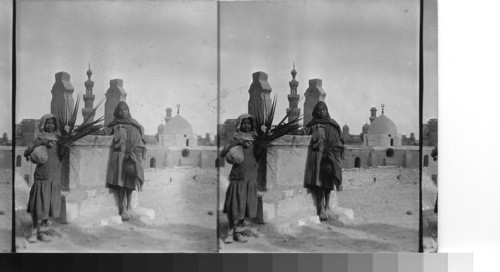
[327,237]
[129,237]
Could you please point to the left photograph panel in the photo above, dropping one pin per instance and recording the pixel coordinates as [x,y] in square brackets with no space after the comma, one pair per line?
[6,126]
[115,126]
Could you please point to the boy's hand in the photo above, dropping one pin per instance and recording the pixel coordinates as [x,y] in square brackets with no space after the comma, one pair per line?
[44,142]
[240,142]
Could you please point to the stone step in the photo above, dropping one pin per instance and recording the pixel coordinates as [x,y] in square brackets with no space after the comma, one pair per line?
[88,203]
[284,202]
[289,223]
[278,203]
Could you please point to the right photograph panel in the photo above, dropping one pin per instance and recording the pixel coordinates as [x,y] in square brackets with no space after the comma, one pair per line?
[319,126]
[430,127]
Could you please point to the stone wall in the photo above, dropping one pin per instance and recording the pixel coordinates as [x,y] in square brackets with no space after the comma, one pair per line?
[432,166]
[168,157]
[90,155]
[5,157]
[23,167]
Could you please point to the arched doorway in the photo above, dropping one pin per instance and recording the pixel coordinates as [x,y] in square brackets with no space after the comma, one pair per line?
[357,162]
[392,142]
[18,161]
[187,142]
[426,161]
[152,163]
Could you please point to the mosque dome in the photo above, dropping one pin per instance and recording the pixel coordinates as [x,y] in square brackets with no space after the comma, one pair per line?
[345,129]
[365,127]
[178,125]
[382,125]
[161,128]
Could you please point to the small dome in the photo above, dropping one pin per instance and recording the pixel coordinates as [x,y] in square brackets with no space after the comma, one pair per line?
[178,125]
[382,125]
[161,128]
[345,130]
[365,127]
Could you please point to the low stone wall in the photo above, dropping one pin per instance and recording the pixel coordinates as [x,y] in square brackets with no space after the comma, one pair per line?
[5,157]
[286,203]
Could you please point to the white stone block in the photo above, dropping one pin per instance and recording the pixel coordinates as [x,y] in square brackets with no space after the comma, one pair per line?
[135,199]
[113,220]
[148,213]
[343,212]
[71,211]
[268,212]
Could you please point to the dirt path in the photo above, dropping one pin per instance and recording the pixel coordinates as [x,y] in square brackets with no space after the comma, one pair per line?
[385,219]
[184,221]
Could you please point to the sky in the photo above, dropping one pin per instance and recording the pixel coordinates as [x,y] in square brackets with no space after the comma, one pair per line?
[165,52]
[6,67]
[366,53]
[430,42]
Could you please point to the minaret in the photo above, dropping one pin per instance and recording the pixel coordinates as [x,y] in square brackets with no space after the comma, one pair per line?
[169,115]
[88,98]
[373,110]
[293,98]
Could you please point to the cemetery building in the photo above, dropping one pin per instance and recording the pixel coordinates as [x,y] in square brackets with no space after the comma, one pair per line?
[176,131]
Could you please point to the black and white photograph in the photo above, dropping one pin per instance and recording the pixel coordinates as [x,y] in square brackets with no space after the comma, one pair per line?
[115,126]
[6,127]
[319,126]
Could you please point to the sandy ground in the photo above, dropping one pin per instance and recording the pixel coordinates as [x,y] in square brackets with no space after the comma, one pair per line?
[185,219]
[385,219]
[5,210]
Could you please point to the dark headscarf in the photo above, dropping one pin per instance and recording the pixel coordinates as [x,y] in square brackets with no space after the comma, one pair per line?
[125,121]
[41,128]
[244,135]
[318,119]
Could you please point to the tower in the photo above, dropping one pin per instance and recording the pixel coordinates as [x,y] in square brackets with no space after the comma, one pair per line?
[88,98]
[114,95]
[373,116]
[259,103]
[293,111]
[169,115]
[313,95]
[62,102]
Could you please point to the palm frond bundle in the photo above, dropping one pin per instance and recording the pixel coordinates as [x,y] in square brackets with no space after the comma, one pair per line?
[266,132]
[70,132]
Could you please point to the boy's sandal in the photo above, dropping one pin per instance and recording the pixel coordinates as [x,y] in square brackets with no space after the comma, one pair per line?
[44,227]
[43,237]
[238,237]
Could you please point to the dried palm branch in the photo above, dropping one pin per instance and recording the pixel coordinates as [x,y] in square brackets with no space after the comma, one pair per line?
[265,132]
[69,132]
